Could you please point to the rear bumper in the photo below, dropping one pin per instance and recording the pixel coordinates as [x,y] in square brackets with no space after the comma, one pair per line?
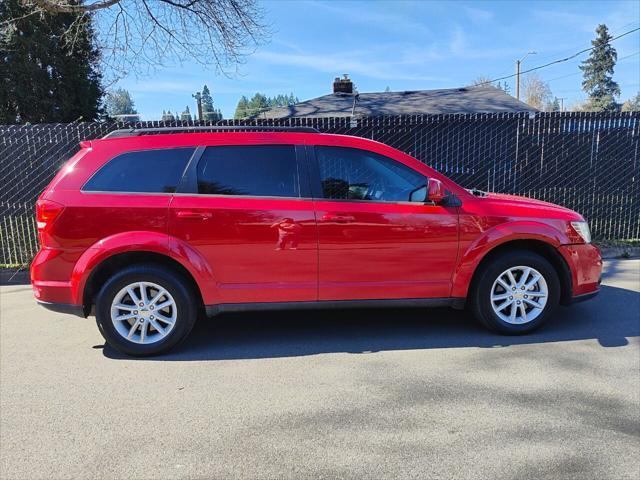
[52,276]
[585,263]
[68,308]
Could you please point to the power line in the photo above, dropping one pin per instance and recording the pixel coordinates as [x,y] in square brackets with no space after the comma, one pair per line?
[562,60]
[578,73]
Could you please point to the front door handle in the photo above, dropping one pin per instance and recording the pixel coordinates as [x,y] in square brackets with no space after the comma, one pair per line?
[193,215]
[337,218]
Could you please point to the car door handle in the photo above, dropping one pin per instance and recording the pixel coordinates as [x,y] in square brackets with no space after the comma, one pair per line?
[332,217]
[190,214]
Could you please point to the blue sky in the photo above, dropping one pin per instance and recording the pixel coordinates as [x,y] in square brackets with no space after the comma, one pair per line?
[406,46]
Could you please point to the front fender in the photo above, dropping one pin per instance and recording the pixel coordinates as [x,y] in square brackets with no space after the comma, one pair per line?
[143,241]
[498,235]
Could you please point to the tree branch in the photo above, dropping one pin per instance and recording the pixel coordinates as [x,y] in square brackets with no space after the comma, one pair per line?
[60,6]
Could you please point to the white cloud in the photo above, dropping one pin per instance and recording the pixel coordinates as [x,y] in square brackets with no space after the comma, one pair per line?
[354,63]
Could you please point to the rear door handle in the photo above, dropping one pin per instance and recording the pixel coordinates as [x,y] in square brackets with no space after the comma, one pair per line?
[332,217]
[191,214]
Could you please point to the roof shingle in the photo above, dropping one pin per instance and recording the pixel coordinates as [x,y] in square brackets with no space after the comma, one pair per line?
[482,99]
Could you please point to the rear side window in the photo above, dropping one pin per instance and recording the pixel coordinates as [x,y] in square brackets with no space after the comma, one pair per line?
[152,171]
[253,170]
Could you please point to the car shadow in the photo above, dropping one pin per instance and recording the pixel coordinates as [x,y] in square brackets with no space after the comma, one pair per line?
[610,318]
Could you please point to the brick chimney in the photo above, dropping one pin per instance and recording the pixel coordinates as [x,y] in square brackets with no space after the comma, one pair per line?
[343,85]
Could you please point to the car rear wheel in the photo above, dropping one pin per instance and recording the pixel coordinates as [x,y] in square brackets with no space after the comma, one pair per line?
[515,292]
[145,310]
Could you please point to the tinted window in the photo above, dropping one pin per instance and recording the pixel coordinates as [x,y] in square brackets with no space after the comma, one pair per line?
[256,170]
[352,174]
[144,171]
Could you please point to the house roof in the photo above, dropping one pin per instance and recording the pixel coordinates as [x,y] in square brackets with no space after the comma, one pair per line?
[482,99]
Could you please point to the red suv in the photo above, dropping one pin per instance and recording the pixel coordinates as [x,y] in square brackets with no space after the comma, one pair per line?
[148,230]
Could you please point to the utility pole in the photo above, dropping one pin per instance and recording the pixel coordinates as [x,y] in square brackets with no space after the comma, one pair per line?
[518,62]
[198,97]
[561,103]
[518,79]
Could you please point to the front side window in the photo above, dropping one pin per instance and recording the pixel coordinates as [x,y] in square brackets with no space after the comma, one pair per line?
[253,170]
[353,174]
[149,171]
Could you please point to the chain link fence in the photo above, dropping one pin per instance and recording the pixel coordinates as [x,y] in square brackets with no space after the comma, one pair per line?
[588,162]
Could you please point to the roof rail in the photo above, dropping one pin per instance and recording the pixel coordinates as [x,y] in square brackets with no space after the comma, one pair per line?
[132,132]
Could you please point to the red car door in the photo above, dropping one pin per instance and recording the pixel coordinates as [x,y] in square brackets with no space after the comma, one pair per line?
[373,242]
[247,211]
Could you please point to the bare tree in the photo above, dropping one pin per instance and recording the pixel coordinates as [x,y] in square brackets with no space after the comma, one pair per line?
[481,80]
[536,92]
[139,35]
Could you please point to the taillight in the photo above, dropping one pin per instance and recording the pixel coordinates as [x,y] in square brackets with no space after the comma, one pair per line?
[46,212]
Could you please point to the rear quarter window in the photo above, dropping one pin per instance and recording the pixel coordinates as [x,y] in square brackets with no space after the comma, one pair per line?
[148,171]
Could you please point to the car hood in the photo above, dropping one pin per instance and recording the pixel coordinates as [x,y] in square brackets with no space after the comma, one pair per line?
[518,201]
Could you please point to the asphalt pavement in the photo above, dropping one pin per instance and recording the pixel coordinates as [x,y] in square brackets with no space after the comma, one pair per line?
[350,394]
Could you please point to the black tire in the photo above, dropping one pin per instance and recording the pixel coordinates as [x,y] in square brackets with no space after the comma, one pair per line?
[172,282]
[490,270]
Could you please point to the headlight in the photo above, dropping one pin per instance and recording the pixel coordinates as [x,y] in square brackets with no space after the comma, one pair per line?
[582,229]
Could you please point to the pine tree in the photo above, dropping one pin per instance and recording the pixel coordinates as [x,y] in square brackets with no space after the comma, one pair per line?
[553,106]
[44,77]
[258,103]
[208,111]
[186,115]
[598,73]
[241,108]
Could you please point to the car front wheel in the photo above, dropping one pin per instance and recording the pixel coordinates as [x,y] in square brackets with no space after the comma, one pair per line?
[515,292]
[145,310]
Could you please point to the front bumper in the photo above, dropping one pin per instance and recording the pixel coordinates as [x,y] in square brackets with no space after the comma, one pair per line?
[584,297]
[585,264]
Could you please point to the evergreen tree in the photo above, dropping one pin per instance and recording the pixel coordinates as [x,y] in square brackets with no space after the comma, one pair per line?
[208,111]
[119,102]
[186,115]
[242,108]
[598,73]
[553,106]
[387,89]
[168,117]
[44,77]
[258,104]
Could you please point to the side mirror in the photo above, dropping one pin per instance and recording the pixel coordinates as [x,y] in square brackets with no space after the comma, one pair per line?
[436,191]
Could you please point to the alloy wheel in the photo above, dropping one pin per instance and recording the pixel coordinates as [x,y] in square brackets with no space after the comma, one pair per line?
[519,295]
[143,312]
